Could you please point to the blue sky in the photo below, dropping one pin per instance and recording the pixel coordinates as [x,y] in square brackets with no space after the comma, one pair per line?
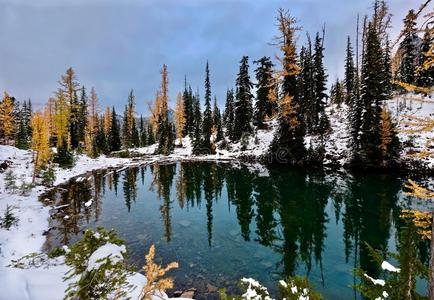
[118,45]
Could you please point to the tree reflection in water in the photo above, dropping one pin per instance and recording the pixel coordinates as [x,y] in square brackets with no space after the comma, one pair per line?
[287,220]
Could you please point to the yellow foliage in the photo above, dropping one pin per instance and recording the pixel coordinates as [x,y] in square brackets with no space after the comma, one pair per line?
[92,122]
[179,116]
[422,220]
[155,276]
[107,120]
[413,88]
[61,118]
[7,123]
[386,130]
[40,140]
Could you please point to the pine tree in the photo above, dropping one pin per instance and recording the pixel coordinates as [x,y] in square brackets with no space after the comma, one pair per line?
[264,107]
[243,110]
[288,143]
[407,48]
[82,117]
[228,118]
[321,122]
[371,97]
[23,135]
[188,109]
[101,143]
[114,139]
[207,114]
[180,119]
[425,68]
[217,122]
[349,74]
[126,133]
[143,133]
[337,94]
[306,86]
[40,142]
[151,138]
[7,118]
[197,130]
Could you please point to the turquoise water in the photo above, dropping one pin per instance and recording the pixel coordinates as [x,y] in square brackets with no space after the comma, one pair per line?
[222,223]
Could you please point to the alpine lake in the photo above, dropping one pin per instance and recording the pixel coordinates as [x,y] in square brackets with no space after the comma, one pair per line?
[222,222]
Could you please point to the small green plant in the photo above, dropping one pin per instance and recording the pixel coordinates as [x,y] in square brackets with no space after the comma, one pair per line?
[9,219]
[48,176]
[56,252]
[97,267]
[25,187]
[10,181]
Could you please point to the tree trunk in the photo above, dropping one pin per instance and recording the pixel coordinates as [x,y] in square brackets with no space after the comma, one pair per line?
[431,263]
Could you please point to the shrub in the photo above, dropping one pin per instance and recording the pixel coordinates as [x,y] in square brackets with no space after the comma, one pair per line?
[9,219]
[97,267]
[10,181]
[48,176]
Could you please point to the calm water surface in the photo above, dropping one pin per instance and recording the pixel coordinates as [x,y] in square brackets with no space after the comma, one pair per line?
[222,223]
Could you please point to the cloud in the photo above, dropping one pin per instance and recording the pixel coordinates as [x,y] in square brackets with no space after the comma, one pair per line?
[118,45]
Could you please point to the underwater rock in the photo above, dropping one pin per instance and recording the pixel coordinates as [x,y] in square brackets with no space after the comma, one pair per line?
[184,223]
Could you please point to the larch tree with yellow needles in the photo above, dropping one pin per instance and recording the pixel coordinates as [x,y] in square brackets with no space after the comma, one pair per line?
[155,281]
[40,142]
[7,119]
[179,117]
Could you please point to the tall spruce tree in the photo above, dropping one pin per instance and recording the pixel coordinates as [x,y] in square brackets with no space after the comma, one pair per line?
[243,109]
[114,139]
[425,69]
[321,122]
[349,73]
[126,132]
[306,86]
[217,122]
[143,133]
[187,96]
[371,98]
[228,117]
[196,133]
[288,143]
[264,106]
[407,48]
[82,116]
[207,114]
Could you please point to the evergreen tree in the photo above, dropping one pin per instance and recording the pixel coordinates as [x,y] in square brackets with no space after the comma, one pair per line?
[337,95]
[126,132]
[386,75]
[425,68]
[143,133]
[349,74]
[306,86]
[82,116]
[91,129]
[228,118]
[371,97]
[207,114]
[22,139]
[407,48]
[320,118]
[288,143]
[187,96]
[151,138]
[217,122]
[243,110]
[114,139]
[264,107]
[101,142]
[196,134]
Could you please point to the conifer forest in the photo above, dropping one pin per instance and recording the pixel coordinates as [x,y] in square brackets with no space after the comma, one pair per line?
[225,149]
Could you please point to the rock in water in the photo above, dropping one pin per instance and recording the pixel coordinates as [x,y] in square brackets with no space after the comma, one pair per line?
[185,223]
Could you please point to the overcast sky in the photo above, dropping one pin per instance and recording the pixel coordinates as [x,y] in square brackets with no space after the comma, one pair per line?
[118,45]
